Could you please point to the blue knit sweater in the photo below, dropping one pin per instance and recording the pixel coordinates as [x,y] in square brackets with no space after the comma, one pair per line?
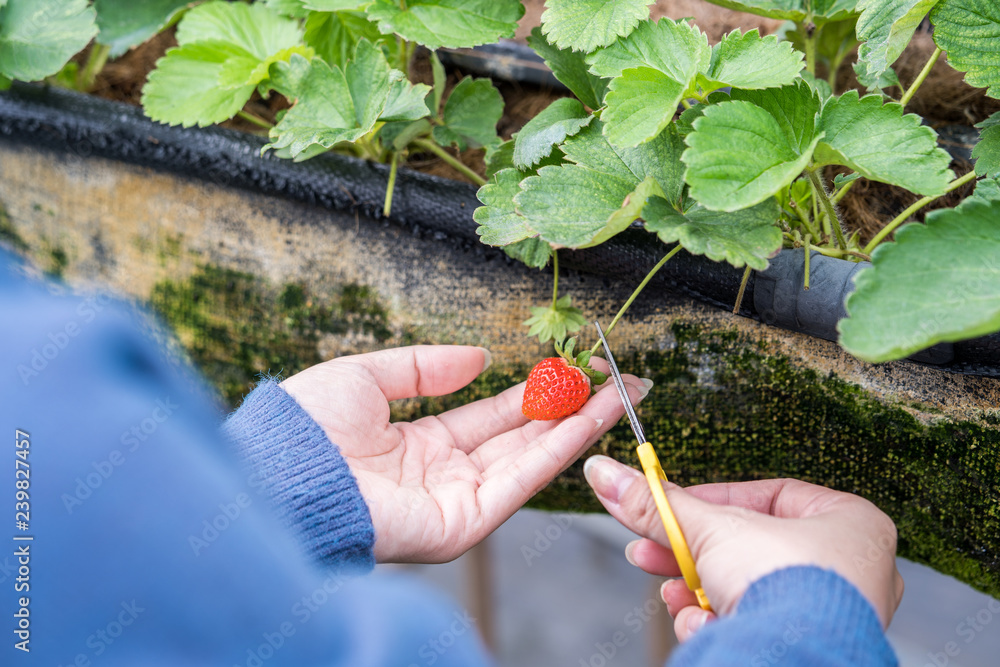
[148,539]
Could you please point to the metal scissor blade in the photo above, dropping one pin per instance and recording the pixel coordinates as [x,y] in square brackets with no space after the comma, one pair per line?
[633,419]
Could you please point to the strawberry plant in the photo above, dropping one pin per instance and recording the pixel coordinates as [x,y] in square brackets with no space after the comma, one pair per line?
[345,66]
[723,150]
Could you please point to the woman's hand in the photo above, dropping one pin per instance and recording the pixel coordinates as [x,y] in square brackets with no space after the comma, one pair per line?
[739,533]
[437,486]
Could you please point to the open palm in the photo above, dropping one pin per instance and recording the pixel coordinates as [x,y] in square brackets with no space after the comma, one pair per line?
[439,485]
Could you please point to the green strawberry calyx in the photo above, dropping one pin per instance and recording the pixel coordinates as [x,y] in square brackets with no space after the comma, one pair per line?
[581,360]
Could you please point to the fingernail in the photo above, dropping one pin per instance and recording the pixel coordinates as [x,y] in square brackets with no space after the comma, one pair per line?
[608,478]
[597,425]
[645,385]
[487,358]
[696,622]
[629,550]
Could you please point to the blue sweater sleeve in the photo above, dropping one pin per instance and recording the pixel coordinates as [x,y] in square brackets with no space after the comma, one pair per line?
[796,616]
[309,484]
[148,544]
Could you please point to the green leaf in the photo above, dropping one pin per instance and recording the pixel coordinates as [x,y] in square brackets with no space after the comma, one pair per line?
[499,156]
[470,115]
[882,144]
[885,27]
[335,105]
[556,321]
[533,252]
[969,31]
[585,25]
[675,48]
[406,101]
[335,5]
[749,61]
[652,68]
[937,282]
[334,35]
[987,190]
[126,23]
[745,237]
[38,37]
[774,131]
[499,222]
[225,50]
[184,90]
[641,102]
[454,24]
[254,28]
[561,119]
[818,11]
[987,150]
[570,68]
[293,8]
[579,204]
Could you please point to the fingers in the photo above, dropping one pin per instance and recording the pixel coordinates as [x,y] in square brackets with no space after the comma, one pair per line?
[421,370]
[508,486]
[783,498]
[690,620]
[652,558]
[504,449]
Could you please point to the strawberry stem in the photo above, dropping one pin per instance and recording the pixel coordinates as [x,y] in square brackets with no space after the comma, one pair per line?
[642,285]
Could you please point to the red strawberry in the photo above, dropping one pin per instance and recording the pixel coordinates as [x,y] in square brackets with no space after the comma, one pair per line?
[559,386]
[554,389]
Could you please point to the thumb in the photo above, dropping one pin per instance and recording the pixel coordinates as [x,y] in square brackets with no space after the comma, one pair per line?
[625,494]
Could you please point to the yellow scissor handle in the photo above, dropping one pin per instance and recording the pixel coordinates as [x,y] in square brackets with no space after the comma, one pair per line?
[654,475]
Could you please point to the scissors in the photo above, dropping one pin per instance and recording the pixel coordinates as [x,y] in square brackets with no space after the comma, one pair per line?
[654,475]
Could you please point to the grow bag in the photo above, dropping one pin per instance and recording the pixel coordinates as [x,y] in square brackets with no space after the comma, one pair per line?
[264,264]
[90,126]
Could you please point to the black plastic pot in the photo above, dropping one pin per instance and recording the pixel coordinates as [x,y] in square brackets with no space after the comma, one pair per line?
[428,205]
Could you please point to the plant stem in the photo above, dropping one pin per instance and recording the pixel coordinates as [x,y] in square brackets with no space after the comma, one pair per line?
[915,86]
[429,145]
[255,119]
[95,63]
[743,288]
[805,244]
[809,41]
[917,205]
[831,212]
[555,280]
[393,168]
[836,197]
[635,293]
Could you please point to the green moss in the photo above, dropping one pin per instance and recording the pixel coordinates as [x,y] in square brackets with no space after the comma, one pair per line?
[58,260]
[236,326]
[721,410]
[9,234]
[170,248]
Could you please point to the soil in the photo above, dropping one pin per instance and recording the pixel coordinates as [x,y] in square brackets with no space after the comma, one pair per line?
[945,101]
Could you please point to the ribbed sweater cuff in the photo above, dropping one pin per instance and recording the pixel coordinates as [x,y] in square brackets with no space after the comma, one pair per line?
[795,616]
[826,606]
[310,486]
